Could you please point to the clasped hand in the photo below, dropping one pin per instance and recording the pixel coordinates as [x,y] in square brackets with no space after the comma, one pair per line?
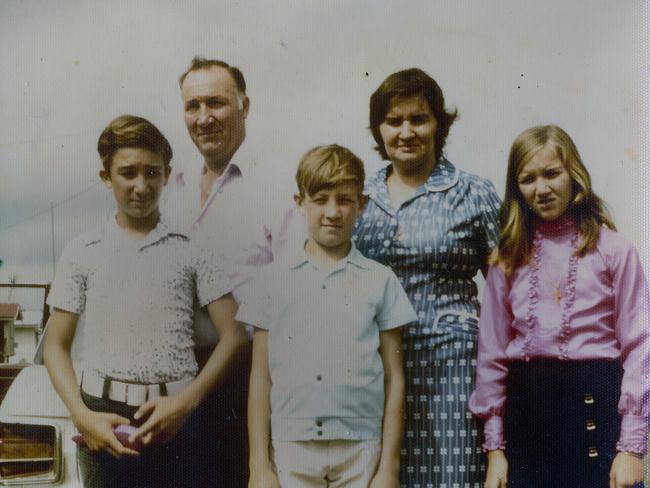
[165,416]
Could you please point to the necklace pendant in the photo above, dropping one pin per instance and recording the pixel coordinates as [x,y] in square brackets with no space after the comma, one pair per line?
[557,295]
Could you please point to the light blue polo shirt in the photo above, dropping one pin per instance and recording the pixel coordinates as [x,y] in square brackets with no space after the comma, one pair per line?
[326,372]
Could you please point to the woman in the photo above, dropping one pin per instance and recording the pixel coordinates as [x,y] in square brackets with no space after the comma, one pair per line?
[563,343]
[435,226]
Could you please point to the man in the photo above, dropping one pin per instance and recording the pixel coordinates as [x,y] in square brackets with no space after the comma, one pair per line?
[223,214]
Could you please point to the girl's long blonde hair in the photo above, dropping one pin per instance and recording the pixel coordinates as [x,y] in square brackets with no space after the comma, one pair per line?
[516,218]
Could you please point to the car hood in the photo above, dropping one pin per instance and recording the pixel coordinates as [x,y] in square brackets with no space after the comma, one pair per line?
[32,395]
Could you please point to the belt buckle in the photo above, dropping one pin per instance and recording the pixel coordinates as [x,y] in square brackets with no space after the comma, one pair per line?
[136,395]
[117,391]
[153,391]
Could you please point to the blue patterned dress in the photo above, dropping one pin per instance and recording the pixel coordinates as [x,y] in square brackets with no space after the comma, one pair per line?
[435,243]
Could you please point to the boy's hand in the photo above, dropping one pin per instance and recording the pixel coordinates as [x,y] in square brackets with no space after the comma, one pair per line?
[166,415]
[263,478]
[497,470]
[383,479]
[627,470]
[97,430]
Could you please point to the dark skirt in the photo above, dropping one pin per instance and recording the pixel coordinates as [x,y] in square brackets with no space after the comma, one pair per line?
[561,422]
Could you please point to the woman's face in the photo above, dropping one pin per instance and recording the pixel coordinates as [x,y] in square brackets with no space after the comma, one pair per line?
[408,133]
[545,184]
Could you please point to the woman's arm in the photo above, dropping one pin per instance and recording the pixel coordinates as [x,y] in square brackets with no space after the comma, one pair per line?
[96,427]
[495,333]
[631,315]
[631,325]
[390,350]
[489,203]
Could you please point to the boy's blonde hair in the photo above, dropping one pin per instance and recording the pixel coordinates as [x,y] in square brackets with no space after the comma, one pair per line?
[324,167]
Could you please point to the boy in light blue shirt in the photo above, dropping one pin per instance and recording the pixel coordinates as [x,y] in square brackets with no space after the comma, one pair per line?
[327,385]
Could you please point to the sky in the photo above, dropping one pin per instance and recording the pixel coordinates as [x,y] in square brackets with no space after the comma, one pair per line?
[68,67]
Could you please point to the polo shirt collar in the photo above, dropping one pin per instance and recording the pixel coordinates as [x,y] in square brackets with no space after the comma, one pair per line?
[354,257]
[444,176]
[112,231]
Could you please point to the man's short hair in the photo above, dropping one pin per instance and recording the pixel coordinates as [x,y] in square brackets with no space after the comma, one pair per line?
[324,167]
[199,63]
[132,131]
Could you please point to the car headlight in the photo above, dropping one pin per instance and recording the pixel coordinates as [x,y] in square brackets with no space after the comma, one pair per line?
[29,453]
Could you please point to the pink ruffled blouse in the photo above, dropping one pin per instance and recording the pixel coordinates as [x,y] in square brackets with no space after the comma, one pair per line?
[594,307]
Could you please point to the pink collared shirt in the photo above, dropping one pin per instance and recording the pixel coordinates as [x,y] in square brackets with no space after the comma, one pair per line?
[609,319]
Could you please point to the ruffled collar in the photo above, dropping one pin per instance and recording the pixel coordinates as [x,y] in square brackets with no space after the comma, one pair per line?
[564,225]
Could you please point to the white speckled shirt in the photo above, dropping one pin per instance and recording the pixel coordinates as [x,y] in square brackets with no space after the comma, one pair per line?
[135,300]
[324,324]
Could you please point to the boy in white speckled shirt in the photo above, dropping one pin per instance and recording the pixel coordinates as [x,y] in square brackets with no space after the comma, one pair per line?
[133,280]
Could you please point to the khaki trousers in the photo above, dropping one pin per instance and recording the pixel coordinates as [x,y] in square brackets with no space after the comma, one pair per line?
[331,464]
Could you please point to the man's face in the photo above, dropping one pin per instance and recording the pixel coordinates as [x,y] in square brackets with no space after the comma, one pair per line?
[137,177]
[215,114]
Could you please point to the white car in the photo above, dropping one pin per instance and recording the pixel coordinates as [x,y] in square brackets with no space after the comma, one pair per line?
[36,447]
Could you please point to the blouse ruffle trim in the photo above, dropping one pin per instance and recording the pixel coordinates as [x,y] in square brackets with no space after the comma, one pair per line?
[533,290]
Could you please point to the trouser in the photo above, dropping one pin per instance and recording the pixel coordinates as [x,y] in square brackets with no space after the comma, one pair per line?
[561,422]
[181,462]
[331,464]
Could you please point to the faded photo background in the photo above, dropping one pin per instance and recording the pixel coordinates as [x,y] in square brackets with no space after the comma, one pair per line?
[68,67]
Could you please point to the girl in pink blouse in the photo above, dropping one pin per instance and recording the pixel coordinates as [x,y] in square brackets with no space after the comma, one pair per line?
[562,377]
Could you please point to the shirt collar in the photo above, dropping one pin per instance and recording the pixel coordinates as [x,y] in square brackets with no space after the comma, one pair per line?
[111,230]
[236,167]
[354,257]
[192,178]
[444,176]
[232,170]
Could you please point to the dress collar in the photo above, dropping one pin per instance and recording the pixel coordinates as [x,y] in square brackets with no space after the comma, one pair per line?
[444,176]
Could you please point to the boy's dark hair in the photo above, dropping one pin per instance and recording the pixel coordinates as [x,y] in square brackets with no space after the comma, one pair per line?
[132,131]
[324,167]
[199,63]
[408,83]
